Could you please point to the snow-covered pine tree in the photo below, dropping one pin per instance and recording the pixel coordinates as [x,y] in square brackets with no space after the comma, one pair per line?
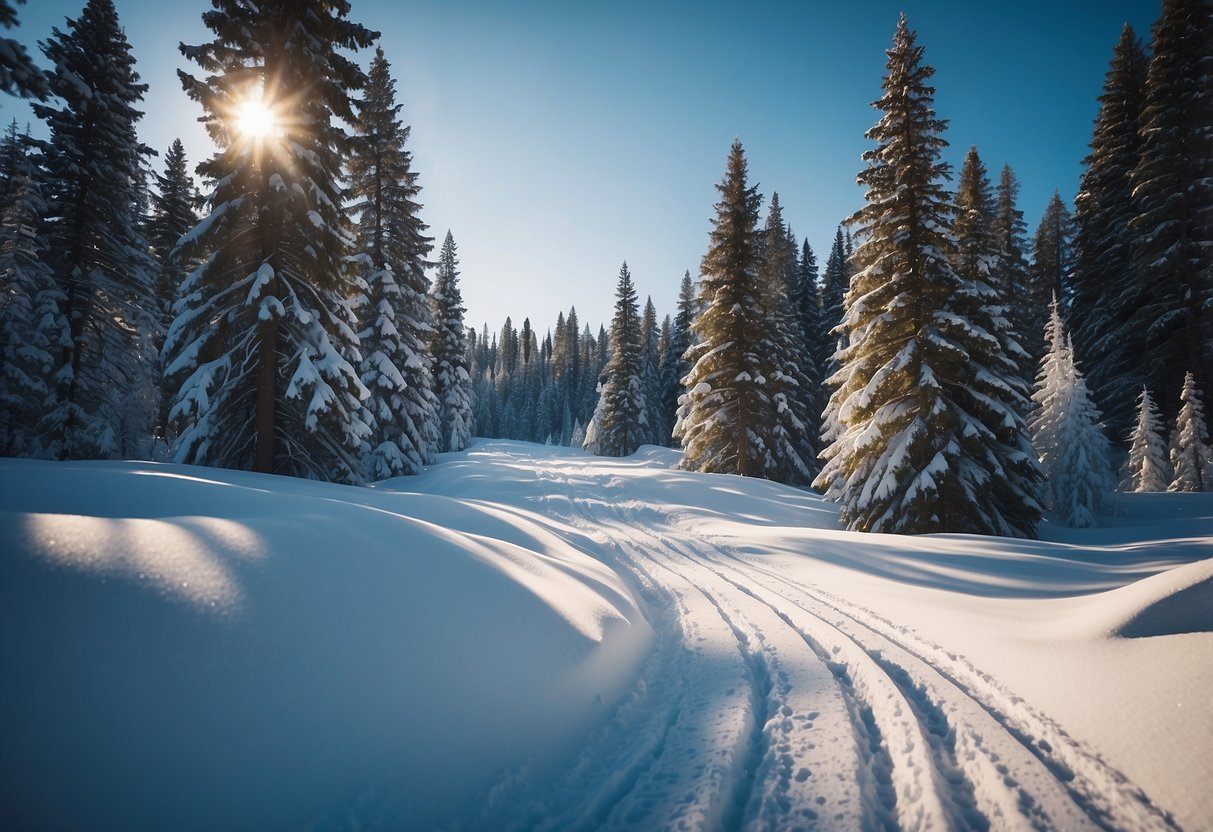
[912,450]
[788,427]
[997,396]
[1147,468]
[665,382]
[677,366]
[620,423]
[834,282]
[808,310]
[1191,456]
[1105,287]
[174,211]
[33,330]
[720,416]
[18,74]
[264,348]
[1012,272]
[99,256]
[1052,257]
[1173,193]
[452,380]
[650,377]
[1067,435]
[395,328]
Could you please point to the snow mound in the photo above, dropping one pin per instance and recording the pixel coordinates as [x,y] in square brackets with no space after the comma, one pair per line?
[192,648]
[1184,603]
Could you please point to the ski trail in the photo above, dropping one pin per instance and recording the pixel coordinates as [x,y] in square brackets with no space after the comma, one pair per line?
[770,705]
[1024,750]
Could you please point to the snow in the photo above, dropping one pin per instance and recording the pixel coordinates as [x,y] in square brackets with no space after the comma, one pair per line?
[528,637]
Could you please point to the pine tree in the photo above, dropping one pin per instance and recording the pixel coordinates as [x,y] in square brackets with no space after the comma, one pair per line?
[719,417]
[1067,435]
[1012,274]
[1106,290]
[18,74]
[452,380]
[834,281]
[32,327]
[620,420]
[650,378]
[1147,468]
[677,366]
[174,211]
[98,254]
[264,346]
[1191,456]
[395,331]
[1052,257]
[1173,193]
[913,450]
[666,383]
[789,429]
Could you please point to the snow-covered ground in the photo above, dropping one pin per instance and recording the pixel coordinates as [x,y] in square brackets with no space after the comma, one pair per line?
[532,638]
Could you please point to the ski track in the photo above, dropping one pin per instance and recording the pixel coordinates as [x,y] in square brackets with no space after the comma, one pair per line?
[769,704]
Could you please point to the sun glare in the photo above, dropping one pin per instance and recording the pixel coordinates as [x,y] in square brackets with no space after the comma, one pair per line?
[254,120]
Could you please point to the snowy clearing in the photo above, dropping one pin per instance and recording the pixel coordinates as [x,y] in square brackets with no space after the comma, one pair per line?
[532,638]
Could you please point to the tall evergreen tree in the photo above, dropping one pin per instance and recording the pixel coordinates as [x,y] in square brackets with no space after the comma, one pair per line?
[32,327]
[1191,456]
[1106,290]
[1147,467]
[264,347]
[174,211]
[452,380]
[1052,258]
[677,365]
[650,378]
[395,330]
[834,281]
[98,254]
[1012,276]
[620,421]
[719,419]
[18,74]
[789,429]
[913,450]
[1173,192]
[1067,435]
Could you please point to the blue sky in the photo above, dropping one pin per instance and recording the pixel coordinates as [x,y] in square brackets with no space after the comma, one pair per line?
[557,139]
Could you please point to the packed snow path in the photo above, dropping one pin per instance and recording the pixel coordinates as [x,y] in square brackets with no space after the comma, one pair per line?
[769,704]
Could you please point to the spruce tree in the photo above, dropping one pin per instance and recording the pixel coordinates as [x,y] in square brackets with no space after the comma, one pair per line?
[174,212]
[1147,468]
[452,380]
[650,378]
[1012,272]
[1173,193]
[1067,435]
[1191,456]
[677,366]
[913,450]
[1106,289]
[395,328]
[620,424]
[719,418]
[789,428]
[32,327]
[666,383]
[98,254]
[834,281]
[264,348]
[1052,256]
[18,74]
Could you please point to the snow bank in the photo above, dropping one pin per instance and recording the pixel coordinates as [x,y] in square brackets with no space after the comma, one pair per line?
[192,648]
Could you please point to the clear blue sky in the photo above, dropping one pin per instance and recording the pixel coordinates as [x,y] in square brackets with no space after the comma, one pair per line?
[557,139]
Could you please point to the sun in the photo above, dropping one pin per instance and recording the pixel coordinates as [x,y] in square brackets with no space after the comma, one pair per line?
[254,120]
